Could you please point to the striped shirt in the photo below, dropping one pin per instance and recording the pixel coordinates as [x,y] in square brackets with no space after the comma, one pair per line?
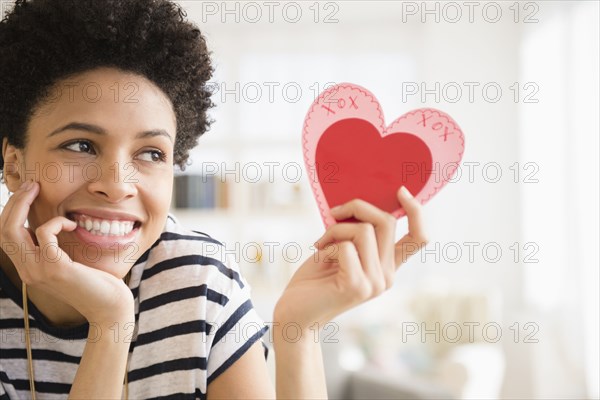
[194,319]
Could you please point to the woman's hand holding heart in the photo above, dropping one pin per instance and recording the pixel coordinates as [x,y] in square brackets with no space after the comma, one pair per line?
[354,262]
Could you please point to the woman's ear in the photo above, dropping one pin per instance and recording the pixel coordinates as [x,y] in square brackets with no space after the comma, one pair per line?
[13,161]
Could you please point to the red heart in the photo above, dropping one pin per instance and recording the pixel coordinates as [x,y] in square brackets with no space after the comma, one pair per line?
[353,155]
[362,160]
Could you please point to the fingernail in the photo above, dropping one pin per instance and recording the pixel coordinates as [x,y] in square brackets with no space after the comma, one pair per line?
[24,185]
[405,191]
[336,209]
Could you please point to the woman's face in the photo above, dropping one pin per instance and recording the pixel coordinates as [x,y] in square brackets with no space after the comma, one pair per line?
[102,152]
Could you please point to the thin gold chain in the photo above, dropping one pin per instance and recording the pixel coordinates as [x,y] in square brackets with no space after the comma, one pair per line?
[28,343]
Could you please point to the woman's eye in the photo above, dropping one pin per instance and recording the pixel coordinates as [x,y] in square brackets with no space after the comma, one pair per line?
[154,156]
[83,146]
[80,146]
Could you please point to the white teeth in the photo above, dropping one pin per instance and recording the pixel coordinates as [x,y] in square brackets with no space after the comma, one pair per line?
[104,227]
[115,228]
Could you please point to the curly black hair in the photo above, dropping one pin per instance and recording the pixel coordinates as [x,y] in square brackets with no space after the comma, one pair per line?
[45,41]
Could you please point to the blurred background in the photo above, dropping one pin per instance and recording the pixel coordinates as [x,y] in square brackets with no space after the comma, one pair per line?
[504,300]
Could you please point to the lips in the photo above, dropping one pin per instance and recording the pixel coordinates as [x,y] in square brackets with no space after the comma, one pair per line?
[105,228]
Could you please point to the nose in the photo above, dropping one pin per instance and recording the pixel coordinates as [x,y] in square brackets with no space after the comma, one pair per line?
[115,181]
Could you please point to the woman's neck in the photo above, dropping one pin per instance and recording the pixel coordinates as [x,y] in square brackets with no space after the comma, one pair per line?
[56,312]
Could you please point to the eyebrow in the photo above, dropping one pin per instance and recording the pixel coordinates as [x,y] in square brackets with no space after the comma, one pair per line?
[80,126]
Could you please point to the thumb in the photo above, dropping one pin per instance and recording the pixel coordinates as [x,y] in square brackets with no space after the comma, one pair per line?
[405,196]
[404,191]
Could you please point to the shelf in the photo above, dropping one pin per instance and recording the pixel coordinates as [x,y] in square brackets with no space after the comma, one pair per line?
[229,213]
[202,212]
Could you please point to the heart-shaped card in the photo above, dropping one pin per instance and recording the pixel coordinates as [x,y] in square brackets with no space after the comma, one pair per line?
[349,152]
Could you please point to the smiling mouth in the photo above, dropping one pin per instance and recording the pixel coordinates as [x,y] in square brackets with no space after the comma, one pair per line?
[104,227]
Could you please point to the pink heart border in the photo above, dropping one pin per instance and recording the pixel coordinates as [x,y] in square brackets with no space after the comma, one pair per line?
[376,117]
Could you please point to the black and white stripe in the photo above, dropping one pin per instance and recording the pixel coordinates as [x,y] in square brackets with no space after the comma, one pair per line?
[191,306]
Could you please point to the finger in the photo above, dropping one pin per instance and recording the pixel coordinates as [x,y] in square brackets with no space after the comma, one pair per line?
[7,209]
[362,236]
[17,242]
[32,236]
[47,233]
[416,238]
[351,273]
[384,223]
[413,209]
[15,214]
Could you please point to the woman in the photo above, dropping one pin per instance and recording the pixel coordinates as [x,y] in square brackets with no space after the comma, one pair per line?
[100,100]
